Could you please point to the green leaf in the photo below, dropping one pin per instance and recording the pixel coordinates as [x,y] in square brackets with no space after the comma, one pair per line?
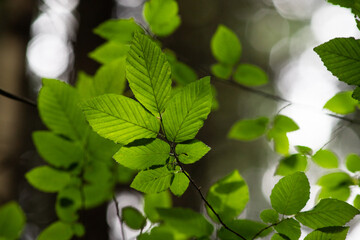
[78,229]
[250,75]
[120,119]
[290,194]
[152,181]
[354,5]
[246,228]
[291,164]
[109,52]
[290,228]
[304,150]
[182,73]
[222,71]
[356,93]
[342,103]
[124,175]
[225,46]
[187,110]
[334,180]
[179,183]
[85,85]
[278,236]
[269,216]
[249,129]
[47,179]
[341,193]
[357,201]
[341,57]
[56,150]
[353,162]
[327,213]
[284,124]
[57,104]
[156,200]
[185,220]
[119,30]
[12,221]
[97,172]
[57,231]
[68,202]
[333,233]
[133,218]
[191,151]
[281,141]
[142,157]
[162,16]
[110,78]
[148,73]
[326,159]
[228,196]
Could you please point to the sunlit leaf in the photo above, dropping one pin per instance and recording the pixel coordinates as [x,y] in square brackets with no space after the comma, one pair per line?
[228,196]
[148,73]
[284,124]
[327,213]
[192,151]
[119,30]
[357,201]
[187,110]
[341,56]
[290,228]
[142,157]
[57,231]
[342,103]
[249,129]
[109,52]
[250,75]
[225,45]
[333,233]
[179,183]
[152,181]
[47,179]
[304,150]
[12,221]
[326,159]
[291,164]
[119,118]
[290,194]
[353,162]
[269,216]
[133,218]
[162,16]
[153,201]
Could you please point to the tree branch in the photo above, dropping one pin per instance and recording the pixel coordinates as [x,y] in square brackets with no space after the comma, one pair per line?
[17,98]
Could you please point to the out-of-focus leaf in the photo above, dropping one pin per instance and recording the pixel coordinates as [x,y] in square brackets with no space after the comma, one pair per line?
[342,103]
[12,221]
[291,164]
[222,71]
[326,159]
[250,75]
[353,162]
[133,218]
[249,129]
[153,201]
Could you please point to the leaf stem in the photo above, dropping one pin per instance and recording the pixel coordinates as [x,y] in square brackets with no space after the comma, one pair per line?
[17,98]
[119,217]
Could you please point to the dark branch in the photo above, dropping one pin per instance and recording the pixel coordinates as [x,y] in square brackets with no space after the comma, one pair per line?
[17,98]
[265,228]
[119,217]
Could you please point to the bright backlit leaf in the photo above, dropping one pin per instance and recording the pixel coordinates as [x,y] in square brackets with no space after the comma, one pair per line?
[304,150]
[47,179]
[120,119]
[187,221]
[290,228]
[85,86]
[56,150]
[353,162]
[326,159]
[342,103]
[284,124]
[192,151]
[341,193]
[341,56]
[225,46]
[250,75]
[109,52]
[269,216]
[246,228]
[153,201]
[142,157]
[249,129]
[334,180]
[152,181]
[119,30]
[228,196]
[12,221]
[187,110]
[133,218]
[333,233]
[357,201]
[222,71]
[58,109]
[291,164]
[327,213]
[148,73]
[290,194]
[179,183]
[162,16]
[57,231]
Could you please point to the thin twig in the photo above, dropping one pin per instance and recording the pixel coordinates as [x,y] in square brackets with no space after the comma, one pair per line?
[17,98]
[264,229]
[336,133]
[119,217]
